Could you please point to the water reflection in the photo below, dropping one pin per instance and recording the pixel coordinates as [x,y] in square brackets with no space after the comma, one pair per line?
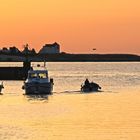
[38,97]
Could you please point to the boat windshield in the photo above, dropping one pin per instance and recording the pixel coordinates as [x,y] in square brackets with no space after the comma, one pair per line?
[43,75]
[38,75]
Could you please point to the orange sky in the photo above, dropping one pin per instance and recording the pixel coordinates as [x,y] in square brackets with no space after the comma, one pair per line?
[111,26]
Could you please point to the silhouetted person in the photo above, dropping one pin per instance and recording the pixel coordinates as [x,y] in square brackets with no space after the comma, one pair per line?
[87,83]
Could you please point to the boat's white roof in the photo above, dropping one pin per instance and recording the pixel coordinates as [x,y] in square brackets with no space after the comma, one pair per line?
[38,71]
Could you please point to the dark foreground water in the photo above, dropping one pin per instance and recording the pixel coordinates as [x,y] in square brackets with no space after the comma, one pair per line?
[68,114]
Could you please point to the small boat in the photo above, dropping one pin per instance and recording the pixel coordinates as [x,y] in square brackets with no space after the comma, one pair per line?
[38,82]
[90,87]
[1,86]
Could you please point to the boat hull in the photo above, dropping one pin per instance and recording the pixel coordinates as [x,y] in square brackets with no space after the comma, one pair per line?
[89,90]
[38,88]
[92,87]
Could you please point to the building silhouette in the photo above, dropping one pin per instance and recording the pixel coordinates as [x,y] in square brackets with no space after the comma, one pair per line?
[50,49]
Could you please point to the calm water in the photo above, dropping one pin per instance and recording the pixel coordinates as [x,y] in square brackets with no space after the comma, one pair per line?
[68,114]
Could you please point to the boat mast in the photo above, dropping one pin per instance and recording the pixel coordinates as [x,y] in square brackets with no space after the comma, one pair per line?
[45,62]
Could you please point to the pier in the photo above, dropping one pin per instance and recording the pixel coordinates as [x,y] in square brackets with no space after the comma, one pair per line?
[15,73]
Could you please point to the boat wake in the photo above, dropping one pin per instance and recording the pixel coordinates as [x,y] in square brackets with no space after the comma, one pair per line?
[67,92]
[77,92]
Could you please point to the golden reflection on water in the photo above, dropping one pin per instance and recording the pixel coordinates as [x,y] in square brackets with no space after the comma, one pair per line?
[99,116]
[113,114]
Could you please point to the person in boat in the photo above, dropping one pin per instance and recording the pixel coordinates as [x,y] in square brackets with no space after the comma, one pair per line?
[87,83]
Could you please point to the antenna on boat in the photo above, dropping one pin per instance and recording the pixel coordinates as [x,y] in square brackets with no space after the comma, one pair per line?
[44,63]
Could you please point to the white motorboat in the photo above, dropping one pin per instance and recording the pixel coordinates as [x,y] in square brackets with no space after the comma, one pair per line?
[38,82]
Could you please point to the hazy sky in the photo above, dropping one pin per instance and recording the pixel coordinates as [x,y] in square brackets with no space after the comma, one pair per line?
[110,26]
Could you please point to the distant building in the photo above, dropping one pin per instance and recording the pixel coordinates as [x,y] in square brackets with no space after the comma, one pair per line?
[10,50]
[26,50]
[5,50]
[14,50]
[50,49]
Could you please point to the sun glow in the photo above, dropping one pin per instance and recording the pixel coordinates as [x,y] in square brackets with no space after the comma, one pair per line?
[79,26]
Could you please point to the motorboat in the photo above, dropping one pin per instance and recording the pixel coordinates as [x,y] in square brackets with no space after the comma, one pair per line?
[38,82]
[90,87]
[1,86]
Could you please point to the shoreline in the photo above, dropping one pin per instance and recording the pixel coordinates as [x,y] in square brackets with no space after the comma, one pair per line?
[64,57]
